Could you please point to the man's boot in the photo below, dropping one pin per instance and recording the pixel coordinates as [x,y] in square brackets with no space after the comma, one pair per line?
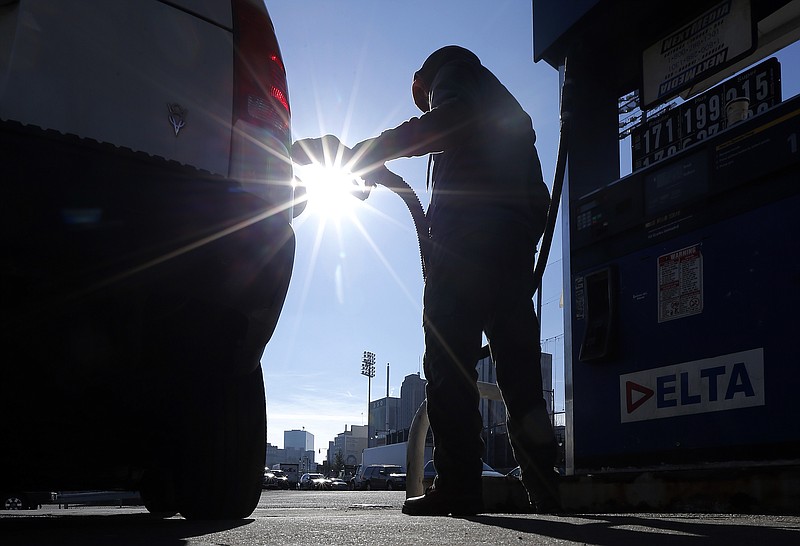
[439,502]
[535,449]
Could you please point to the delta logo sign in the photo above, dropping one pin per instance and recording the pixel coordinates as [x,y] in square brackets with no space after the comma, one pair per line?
[713,384]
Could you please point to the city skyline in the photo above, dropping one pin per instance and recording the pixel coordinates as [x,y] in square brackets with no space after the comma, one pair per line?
[399,412]
[412,397]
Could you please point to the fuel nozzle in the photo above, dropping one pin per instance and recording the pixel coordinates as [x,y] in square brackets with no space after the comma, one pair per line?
[328,152]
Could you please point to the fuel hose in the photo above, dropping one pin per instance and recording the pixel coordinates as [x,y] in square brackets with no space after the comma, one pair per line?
[400,187]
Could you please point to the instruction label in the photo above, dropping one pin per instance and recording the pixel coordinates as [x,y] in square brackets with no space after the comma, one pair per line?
[579,302]
[705,45]
[680,284]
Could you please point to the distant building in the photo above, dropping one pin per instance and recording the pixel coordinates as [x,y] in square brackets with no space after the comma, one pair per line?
[273,454]
[412,394]
[547,382]
[495,434]
[303,458]
[493,412]
[299,439]
[350,444]
[384,417]
[298,449]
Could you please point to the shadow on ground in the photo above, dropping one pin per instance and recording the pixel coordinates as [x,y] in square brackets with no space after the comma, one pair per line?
[120,530]
[613,530]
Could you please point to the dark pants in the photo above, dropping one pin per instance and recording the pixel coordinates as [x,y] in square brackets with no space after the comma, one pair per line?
[481,282]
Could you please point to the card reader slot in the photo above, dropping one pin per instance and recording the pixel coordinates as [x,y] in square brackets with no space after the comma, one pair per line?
[598,338]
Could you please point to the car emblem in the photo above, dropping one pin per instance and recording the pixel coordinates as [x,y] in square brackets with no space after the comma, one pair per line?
[177,116]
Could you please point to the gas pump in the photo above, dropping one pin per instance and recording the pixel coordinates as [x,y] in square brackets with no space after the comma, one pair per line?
[682,279]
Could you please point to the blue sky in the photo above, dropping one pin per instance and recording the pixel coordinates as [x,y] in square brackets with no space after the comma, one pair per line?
[357,283]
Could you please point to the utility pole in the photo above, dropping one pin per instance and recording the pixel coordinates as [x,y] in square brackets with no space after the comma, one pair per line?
[387,403]
[368,369]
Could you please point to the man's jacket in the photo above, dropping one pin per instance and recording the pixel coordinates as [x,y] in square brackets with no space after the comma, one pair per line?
[486,169]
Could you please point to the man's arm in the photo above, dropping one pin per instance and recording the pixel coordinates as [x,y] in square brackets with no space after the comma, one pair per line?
[452,118]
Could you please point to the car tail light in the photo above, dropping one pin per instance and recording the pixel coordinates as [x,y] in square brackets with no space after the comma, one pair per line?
[261,113]
[261,95]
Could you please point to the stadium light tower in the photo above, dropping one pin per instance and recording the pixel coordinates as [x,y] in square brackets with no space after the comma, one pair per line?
[368,369]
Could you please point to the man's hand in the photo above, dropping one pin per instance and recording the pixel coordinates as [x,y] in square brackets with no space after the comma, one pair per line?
[328,150]
[316,150]
[384,177]
[361,159]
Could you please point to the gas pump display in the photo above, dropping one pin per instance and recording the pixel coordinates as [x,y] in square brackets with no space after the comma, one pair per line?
[705,115]
[686,291]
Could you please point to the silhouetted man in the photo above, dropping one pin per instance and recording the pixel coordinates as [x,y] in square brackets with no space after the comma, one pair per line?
[488,210]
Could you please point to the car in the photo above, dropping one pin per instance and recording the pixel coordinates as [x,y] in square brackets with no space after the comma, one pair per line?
[147,203]
[281,479]
[516,472]
[24,500]
[429,473]
[66,499]
[268,482]
[274,479]
[338,484]
[356,480]
[314,481]
[384,476]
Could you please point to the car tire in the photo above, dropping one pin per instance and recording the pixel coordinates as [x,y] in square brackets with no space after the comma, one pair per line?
[223,447]
[389,486]
[158,493]
[13,501]
[368,486]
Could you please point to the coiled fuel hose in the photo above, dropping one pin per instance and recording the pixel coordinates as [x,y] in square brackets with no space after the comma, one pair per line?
[394,182]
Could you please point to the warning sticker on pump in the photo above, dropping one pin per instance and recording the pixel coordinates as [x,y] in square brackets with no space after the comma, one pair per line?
[680,284]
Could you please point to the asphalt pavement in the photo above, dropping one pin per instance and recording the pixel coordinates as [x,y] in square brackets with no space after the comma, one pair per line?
[374,517]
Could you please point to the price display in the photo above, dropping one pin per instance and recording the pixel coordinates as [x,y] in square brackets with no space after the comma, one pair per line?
[704,115]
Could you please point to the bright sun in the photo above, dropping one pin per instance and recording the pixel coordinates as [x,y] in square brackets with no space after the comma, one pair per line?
[330,190]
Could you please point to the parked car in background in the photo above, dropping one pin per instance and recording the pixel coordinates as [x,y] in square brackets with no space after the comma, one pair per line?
[24,500]
[281,479]
[384,476]
[274,479]
[337,484]
[66,499]
[314,481]
[268,482]
[291,471]
[356,480]
[429,473]
[517,472]
[147,248]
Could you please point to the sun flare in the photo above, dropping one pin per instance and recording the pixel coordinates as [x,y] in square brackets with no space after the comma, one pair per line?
[331,190]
